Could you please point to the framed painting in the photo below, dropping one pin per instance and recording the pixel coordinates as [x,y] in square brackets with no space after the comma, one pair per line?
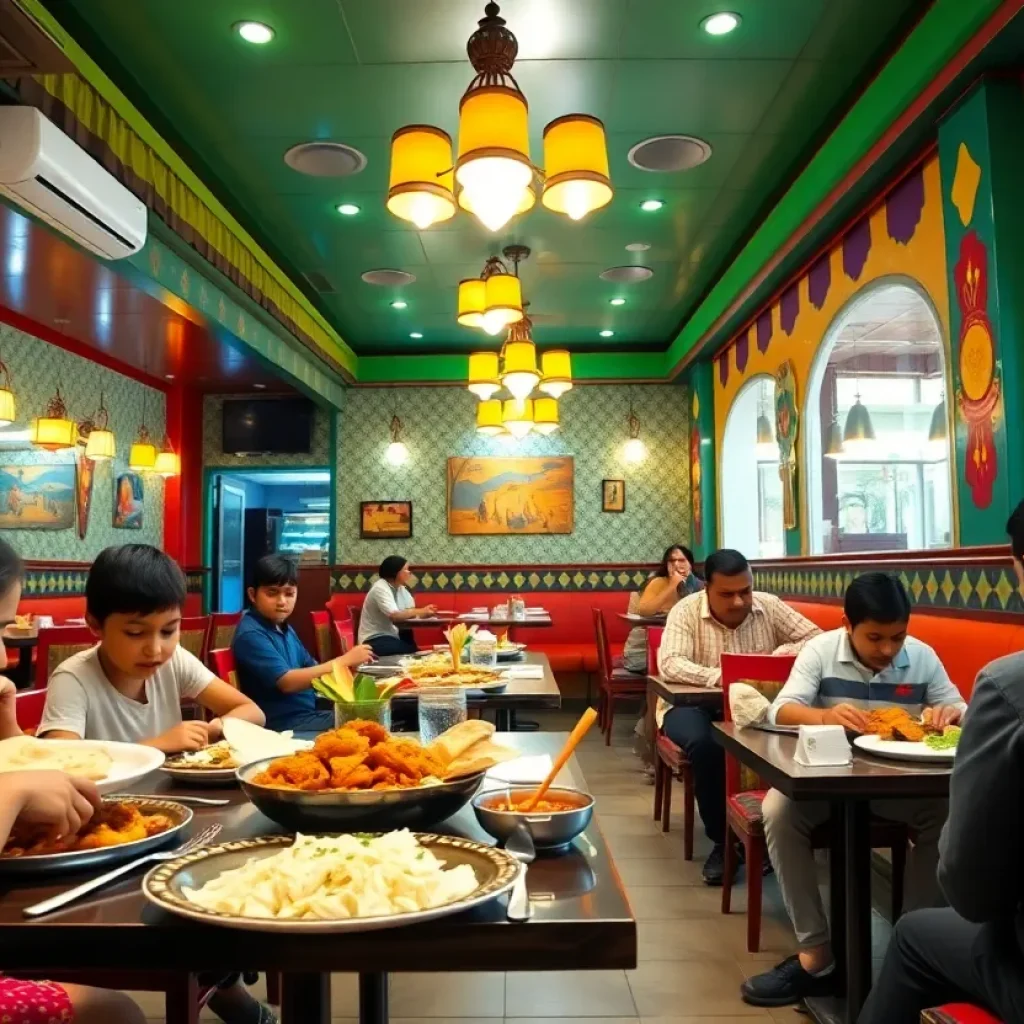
[385,520]
[128,500]
[510,496]
[613,495]
[37,497]
[86,472]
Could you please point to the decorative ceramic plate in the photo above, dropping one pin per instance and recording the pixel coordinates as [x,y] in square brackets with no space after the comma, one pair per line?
[495,870]
[899,750]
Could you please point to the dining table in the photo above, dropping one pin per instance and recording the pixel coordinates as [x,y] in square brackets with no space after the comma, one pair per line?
[644,620]
[678,695]
[581,919]
[849,790]
[20,671]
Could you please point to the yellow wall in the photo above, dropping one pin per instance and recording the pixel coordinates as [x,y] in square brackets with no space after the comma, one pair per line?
[922,259]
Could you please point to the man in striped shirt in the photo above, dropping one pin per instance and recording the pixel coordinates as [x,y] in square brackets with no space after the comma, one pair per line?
[727,616]
[840,676]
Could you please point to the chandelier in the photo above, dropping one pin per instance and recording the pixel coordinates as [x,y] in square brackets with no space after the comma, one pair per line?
[492,169]
[494,300]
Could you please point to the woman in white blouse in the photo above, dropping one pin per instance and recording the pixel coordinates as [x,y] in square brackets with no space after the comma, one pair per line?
[387,606]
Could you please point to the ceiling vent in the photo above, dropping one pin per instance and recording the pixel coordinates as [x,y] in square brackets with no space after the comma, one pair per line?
[638,246]
[627,275]
[669,153]
[325,159]
[319,282]
[388,278]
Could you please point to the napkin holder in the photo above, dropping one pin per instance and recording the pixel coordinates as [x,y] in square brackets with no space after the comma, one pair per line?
[822,746]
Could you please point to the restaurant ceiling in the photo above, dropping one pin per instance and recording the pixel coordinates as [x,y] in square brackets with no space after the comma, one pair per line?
[66,292]
[353,71]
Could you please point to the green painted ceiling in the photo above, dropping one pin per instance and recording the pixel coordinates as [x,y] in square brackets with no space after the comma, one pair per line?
[355,70]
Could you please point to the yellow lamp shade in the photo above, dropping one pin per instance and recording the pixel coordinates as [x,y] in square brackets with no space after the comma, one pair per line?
[167,463]
[8,412]
[504,303]
[472,299]
[100,444]
[575,166]
[517,416]
[545,415]
[493,165]
[483,374]
[556,372]
[421,181]
[54,434]
[142,455]
[520,374]
[488,417]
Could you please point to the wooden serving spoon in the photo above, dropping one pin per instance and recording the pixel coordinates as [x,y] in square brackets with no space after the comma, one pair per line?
[580,730]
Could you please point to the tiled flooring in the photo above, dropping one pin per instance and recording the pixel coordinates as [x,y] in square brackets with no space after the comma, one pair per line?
[691,958]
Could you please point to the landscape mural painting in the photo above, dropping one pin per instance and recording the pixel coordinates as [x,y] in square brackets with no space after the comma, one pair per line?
[385,520]
[128,495]
[510,496]
[37,497]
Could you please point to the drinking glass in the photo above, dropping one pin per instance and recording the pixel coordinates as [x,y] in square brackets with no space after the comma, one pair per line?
[367,711]
[441,707]
[483,652]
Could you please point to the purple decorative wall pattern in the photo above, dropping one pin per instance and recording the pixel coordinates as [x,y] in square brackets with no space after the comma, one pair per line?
[723,367]
[904,206]
[856,247]
[742,350]
[764,331]
[789,307]
[819,280]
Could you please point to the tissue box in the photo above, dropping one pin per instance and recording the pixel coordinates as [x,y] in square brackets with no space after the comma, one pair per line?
[820,746]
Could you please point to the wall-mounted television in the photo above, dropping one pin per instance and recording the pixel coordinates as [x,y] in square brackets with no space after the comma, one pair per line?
[259,426]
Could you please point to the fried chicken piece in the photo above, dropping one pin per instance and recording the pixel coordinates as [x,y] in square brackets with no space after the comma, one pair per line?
[343,767]
[360,778]
[340,743]
[894,724]
[373,731]
[297,771]
[404,757]
[909,731]
[156,823]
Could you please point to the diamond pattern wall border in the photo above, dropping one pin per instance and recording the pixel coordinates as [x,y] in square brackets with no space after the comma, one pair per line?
[526,579]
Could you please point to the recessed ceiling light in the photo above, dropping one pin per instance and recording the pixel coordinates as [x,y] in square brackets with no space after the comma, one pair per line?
[260,387]
[638,246]
[650,205]
[415,334]
[399,304]
[720,24]
[348,209]
[254,32]
[607,334]
[325,159]
[664,153]
[616,302]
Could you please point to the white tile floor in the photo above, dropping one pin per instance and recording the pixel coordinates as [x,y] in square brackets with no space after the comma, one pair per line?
[691,957]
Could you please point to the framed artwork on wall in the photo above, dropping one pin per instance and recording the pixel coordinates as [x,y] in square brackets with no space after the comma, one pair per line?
[510,496]
[613,495]
[37,497]
[385,520]
[128,500]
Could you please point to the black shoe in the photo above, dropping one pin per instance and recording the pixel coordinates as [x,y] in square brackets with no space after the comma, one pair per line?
[714,866]
[785,983]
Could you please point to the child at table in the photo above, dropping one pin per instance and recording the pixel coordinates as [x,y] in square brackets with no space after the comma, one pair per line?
[868,663]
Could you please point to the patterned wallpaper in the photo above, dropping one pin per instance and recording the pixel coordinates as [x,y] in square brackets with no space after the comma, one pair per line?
[35,367]
[213,453]
[438,422]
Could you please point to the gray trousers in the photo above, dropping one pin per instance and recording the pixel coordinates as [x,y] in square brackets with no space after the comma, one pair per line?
[788,825]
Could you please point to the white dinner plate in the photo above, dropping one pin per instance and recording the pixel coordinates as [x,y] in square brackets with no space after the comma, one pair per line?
[129,761]
[899,750]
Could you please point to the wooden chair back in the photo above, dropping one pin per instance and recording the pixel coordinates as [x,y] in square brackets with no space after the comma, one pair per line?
[193,635]
[28,709]
[345,633]
[322,635]
[222,662]
[766,673]
[57,644]
[222,629]
[655,634]
[604,647]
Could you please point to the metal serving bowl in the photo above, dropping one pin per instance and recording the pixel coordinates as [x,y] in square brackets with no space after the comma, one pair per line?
[551,830]
[347,811]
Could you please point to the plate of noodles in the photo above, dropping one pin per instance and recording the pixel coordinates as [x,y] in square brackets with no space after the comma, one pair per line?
[341,883]
[112,766]
[124,827]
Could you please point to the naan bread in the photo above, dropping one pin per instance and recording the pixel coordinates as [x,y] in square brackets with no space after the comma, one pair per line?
[459,738]
[25,753]
[481,756]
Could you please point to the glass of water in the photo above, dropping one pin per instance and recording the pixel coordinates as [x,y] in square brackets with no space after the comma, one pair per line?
[441,707]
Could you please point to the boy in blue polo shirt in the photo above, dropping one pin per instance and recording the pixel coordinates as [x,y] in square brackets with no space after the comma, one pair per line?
[868,663]
[274,668]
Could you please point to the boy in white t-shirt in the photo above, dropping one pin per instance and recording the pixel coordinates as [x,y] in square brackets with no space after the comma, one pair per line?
[130,686]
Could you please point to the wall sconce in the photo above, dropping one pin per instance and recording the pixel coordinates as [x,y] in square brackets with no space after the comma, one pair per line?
[634,450]
[396,453]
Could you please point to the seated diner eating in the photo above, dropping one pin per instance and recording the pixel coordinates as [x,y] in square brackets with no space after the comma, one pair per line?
[388,606]
[868,665]
[727,616]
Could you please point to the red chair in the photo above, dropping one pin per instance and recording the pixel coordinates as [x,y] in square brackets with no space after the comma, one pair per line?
[57,644]
[322,635]
[745,793]
[222,629]
[616,684]
[194,633]
[958,1013]
[222,663]
[28,709]
[345,632]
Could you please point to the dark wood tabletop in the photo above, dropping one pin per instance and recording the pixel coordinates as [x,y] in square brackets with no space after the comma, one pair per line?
[683,694]
[867,778]
[443,621]
[644,620]
[582,918]
[20,640]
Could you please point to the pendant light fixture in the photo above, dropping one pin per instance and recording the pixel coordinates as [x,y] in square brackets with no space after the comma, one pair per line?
[142,454]
[634,450]
[494,300]
[556,372]
[765,446]
[8,407]
[97,435]
[483,374]
[938,431]
[834,449]
[859,432]
[492,166]
[488,417]
[545,415]
[519,373]
[54,430]
[168,462]
[517,416]
[396,453]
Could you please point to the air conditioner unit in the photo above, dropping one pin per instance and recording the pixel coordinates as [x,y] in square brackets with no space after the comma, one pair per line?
[51,176]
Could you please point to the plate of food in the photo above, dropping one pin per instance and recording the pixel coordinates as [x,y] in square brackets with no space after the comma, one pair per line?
[112,766]
[439,670]
[361,776]
[125,827]
[895,733]
[509,650]
[323,884]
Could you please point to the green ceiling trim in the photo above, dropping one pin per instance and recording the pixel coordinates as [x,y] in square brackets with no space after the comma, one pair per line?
[323,334]
[941,33]
[646,367]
